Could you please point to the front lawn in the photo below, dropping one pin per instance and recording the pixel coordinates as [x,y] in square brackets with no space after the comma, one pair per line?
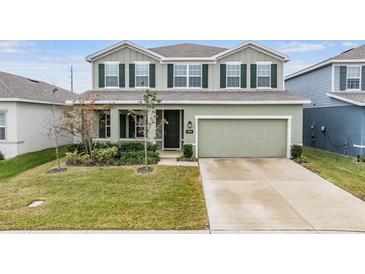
[104,198]
[341,170]
[27,161]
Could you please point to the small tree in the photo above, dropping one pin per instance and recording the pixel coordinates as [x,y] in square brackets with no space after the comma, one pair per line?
[79,120]
[145,122]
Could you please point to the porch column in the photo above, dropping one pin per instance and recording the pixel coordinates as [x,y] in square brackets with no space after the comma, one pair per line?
[152,132]
[114,124]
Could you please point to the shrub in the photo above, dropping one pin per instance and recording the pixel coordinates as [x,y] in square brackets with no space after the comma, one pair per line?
[137,157]
[2,157]
[301,160]
[187,151]
[133,146]
[104,156]
[78,159]
[76,147]
[296,151]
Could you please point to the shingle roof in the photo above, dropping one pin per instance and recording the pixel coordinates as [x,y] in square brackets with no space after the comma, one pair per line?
[188,50]
[197,95]
[355,53]
[356,98]
[17,87]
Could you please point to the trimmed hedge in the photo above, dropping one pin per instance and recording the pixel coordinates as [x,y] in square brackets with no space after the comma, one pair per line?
[187,151]
[137,158]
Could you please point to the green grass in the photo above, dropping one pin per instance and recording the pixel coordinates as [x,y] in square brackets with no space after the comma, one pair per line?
[27,161]
[341,170]
[104,198]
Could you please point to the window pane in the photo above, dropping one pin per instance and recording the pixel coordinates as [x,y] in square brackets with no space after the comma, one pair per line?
[195,70]
[180,81]
[142,81]
[263,82]
[233,70]
[180,70]
[233,82]
[2,119]
[263,70]
[353,72]
[111,69]
[353,83]
[142,69]
[195,82]
[111,81]
[2,133]
[139,128]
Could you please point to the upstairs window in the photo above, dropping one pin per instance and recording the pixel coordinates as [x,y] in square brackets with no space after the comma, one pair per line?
[263,75]
[233,75]
[188,76]
[104,125]
[353,78]
[142,75]
[111,75]
[2,126]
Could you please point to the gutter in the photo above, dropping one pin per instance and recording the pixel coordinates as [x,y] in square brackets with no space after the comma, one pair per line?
[345,100]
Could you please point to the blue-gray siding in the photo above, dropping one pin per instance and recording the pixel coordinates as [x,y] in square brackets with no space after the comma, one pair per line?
[344,127]
[315,85]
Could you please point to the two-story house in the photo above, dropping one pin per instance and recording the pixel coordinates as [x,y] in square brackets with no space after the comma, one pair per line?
[335,119]
[225,102]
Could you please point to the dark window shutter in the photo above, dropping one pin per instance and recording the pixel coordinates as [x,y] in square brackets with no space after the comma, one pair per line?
[121,75]
[101,75]
[253,75]
[152,75]
[170,75]
[343,75]
[131,127]
[123,125]
[243,76]
[363,78]
[132,75]
[274,75]
[223,76]
[102,123]
[205,75]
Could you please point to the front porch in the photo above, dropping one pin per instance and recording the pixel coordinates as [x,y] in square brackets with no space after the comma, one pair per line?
[116,125]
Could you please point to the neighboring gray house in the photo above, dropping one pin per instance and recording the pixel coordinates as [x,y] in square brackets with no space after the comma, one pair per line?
[25,114]
[225,102]
[335,120]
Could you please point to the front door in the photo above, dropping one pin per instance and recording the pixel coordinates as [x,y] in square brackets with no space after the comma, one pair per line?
[172,129]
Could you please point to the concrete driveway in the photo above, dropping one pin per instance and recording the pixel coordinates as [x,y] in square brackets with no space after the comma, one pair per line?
[275,195]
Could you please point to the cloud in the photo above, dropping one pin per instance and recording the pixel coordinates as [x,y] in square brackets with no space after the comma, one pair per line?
[294,66]
[290,47]
[12,47]
[349,44]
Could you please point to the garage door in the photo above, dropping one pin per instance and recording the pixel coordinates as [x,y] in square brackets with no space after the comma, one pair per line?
[242,138]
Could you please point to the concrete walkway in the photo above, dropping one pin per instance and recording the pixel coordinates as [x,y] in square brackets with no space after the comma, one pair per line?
[279,195]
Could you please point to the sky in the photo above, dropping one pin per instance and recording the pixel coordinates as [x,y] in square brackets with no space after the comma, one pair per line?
[50,61]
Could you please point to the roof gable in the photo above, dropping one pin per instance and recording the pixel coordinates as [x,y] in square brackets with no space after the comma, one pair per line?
[188,50]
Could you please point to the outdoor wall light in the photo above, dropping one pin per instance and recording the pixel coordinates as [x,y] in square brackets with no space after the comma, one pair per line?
[190,124]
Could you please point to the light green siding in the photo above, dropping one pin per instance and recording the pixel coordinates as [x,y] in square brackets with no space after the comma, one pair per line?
[242,138]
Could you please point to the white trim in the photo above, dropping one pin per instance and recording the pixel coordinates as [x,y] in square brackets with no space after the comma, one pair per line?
[333,78]
[345,99]
[200,102]
[358,146]
[30,101]
[188,76]
[239,74]
[257,75]
[5,112]
[233,63]
[142,62]
[243,117]
[111,63]
[256,46]
[135,74]
[347,74]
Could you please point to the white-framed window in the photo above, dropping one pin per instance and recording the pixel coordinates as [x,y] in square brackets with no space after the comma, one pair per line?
[104,125]
[264,75]
[111,75]
[187,76]
[142,72]
[233,75]
[353,77]
[2,126]
[138,129]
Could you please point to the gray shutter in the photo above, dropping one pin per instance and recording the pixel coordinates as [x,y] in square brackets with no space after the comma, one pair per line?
[205,76]
[223,83]
[253,75]
[132,75]
[121,75]
[243,76]
[170,75]
[101,75]
[363,78]
[152,75]
[343,76]
[274,75]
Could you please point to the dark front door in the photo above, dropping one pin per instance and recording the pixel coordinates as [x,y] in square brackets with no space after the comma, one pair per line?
[172,129]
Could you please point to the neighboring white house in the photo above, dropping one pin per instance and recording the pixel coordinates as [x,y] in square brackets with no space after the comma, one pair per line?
[25,114]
